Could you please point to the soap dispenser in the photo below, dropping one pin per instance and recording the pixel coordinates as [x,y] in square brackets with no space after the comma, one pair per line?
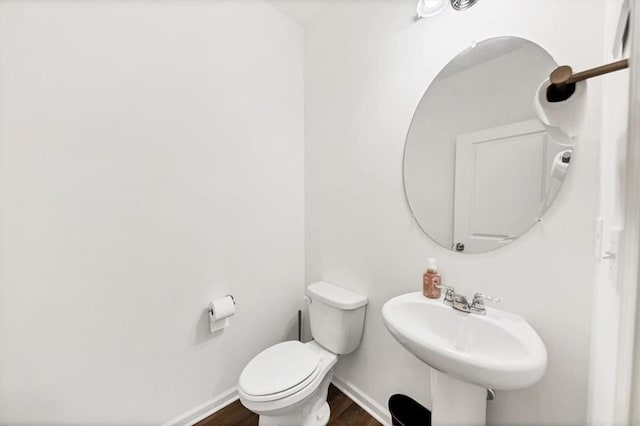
[431,280]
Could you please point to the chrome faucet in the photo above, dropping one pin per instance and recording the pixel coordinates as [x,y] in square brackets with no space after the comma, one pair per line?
[460,303]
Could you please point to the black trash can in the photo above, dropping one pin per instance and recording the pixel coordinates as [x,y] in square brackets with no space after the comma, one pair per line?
[406,411]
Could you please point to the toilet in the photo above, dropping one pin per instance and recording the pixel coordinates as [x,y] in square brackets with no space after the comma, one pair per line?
[287,383]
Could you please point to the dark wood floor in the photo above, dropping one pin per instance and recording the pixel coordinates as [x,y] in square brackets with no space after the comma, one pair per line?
[344,412]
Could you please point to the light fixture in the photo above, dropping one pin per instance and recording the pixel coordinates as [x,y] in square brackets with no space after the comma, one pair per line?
[427,8]
[462,4]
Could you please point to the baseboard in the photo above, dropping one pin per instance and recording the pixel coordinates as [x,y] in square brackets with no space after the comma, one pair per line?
[205,409]
[363,400]
[218,402]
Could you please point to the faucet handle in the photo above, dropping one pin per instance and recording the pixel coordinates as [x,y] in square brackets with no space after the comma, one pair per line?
[446,287]
[480,297]
[448,296]
[477,305]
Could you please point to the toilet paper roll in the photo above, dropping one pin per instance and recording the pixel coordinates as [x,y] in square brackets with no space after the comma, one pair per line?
[562,120]
[222,308]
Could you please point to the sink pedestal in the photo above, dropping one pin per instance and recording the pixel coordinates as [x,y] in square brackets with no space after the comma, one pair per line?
[456,403]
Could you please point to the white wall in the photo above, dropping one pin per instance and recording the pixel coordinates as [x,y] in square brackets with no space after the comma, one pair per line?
[151,159]
[606,302]
[366,66]
[634,138]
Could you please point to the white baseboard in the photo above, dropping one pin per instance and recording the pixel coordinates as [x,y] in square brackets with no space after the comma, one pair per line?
[205,409]
[367,403]
[218,402]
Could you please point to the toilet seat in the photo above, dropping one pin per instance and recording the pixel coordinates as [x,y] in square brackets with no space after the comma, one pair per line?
[310,392]
[279,371]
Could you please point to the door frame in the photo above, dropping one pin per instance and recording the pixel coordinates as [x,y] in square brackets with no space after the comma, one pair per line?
[627,407]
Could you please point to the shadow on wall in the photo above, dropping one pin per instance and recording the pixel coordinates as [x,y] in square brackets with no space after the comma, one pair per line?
[202,335]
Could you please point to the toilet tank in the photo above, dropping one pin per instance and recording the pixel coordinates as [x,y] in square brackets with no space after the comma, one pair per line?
[336,316]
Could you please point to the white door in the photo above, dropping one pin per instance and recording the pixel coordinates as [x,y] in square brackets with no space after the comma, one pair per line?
[500,180]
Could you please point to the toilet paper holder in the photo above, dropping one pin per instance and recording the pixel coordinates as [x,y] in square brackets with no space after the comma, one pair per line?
[226,295]
[219,320]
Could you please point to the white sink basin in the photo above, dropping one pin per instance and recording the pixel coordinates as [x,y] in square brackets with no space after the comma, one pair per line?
[498,350]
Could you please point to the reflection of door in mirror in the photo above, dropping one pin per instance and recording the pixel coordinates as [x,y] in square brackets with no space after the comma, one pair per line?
[477,164]
[502,183]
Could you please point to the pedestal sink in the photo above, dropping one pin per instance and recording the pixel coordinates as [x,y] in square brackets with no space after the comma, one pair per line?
[468,353]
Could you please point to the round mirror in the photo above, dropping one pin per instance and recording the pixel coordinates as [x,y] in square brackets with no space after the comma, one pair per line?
[479,168]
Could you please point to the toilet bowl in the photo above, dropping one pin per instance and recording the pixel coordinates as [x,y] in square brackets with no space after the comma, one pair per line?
[287,383]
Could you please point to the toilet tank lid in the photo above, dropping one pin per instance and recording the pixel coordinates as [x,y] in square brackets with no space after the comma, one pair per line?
[336,296]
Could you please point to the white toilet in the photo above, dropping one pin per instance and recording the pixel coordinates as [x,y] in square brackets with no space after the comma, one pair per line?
[287,383]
